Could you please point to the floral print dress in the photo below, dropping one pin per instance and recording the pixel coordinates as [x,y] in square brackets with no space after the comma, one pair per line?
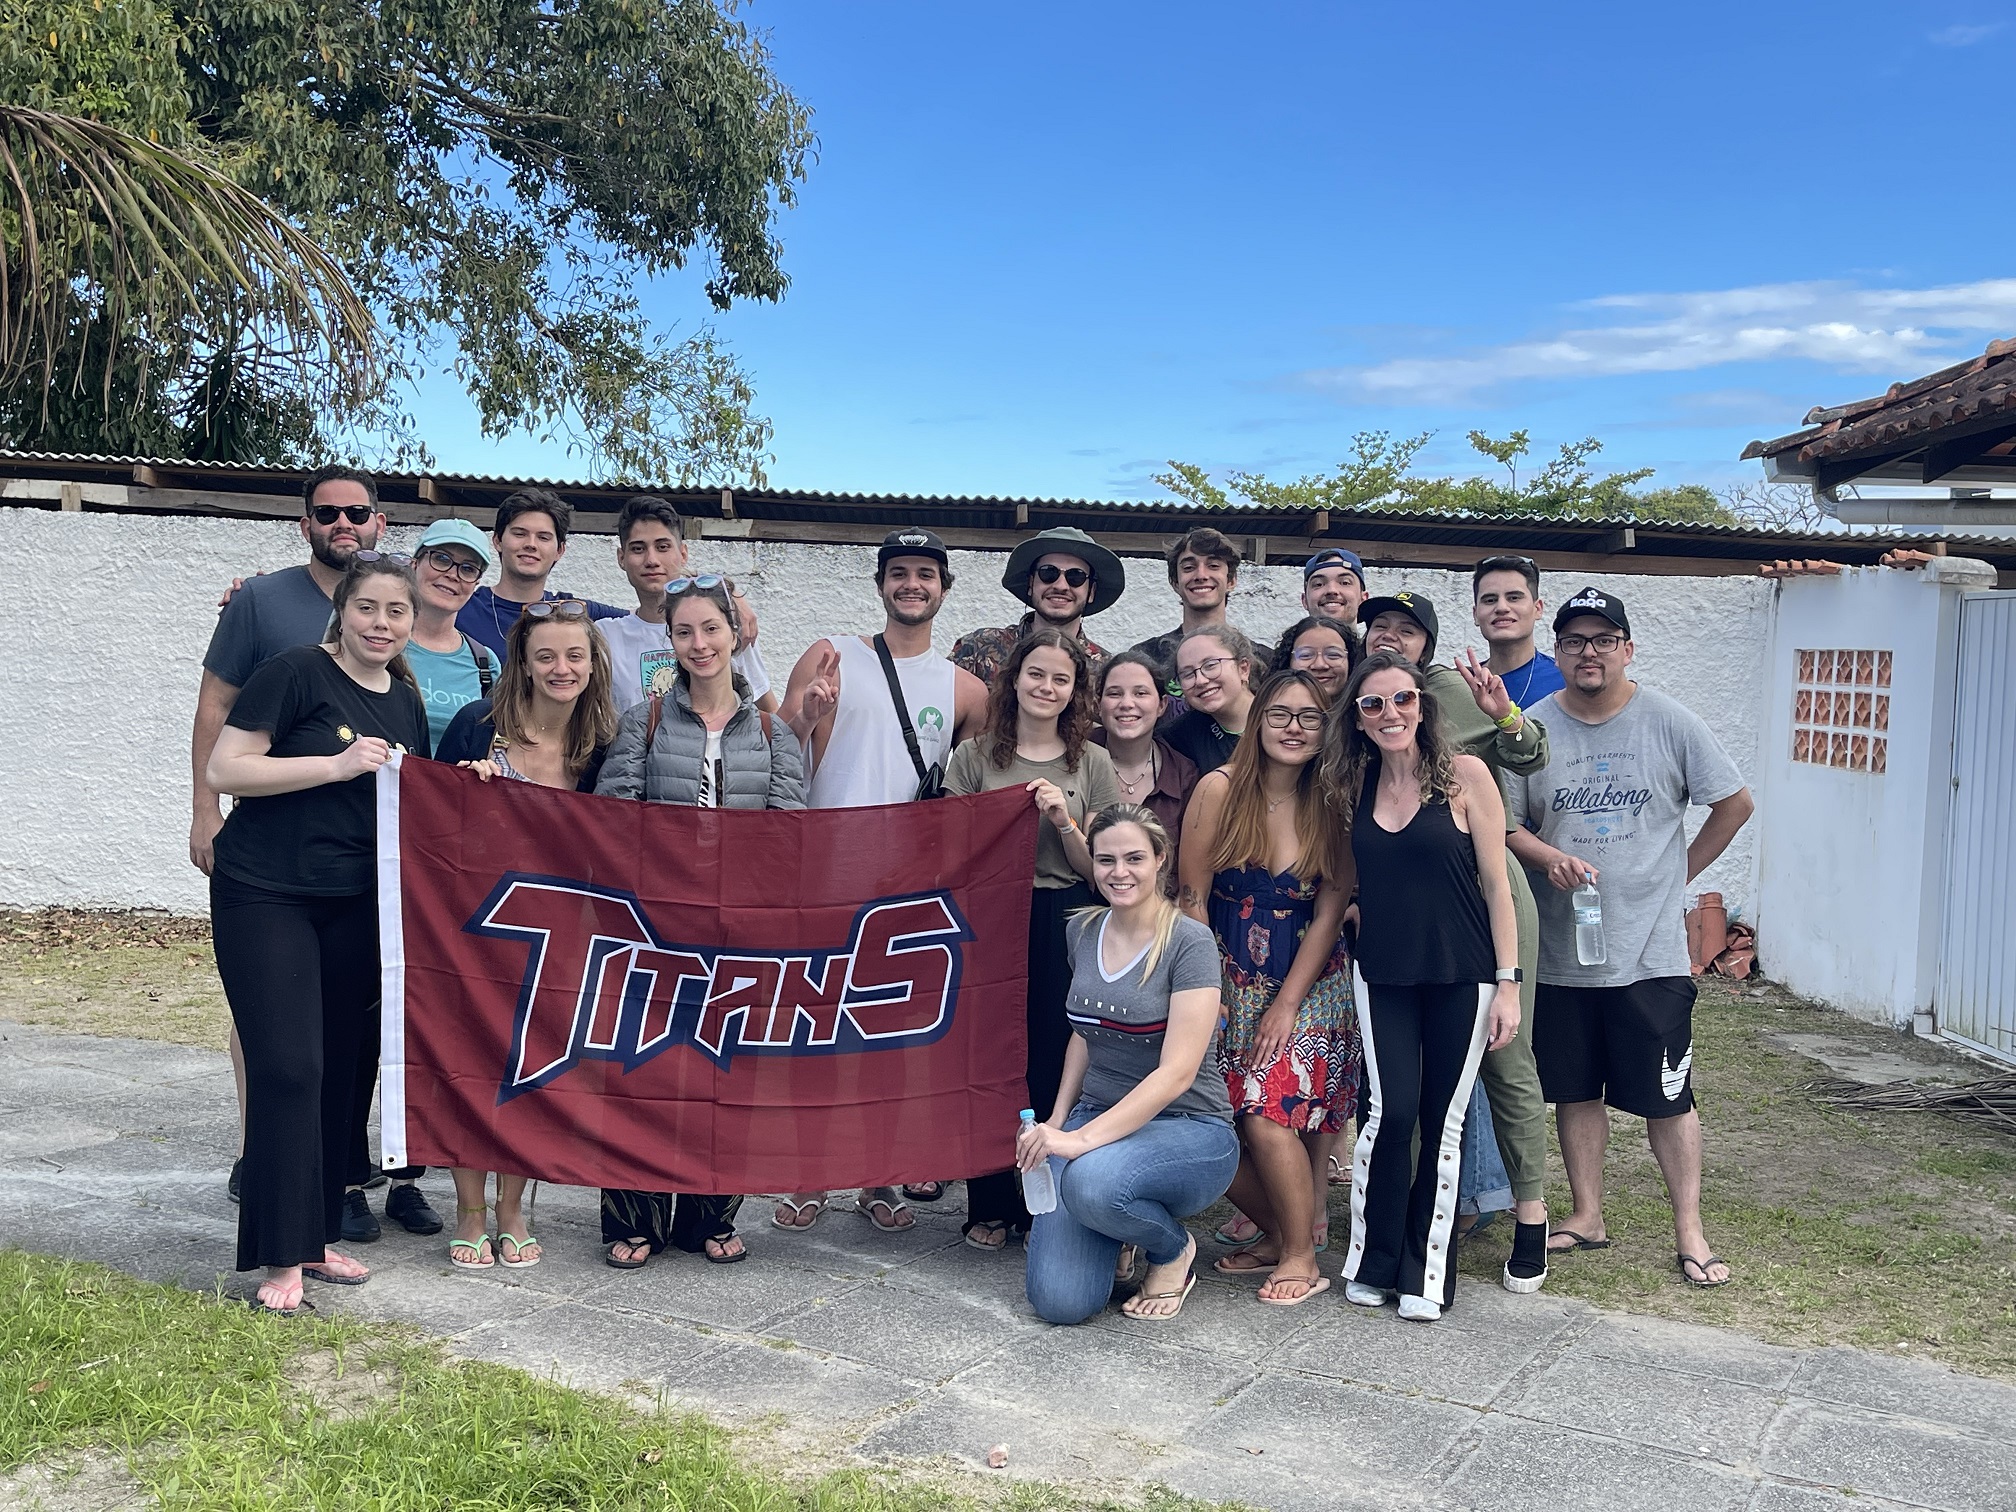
[1312,1085]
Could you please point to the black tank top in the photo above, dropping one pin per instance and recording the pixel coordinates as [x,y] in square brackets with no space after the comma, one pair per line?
[1421,914]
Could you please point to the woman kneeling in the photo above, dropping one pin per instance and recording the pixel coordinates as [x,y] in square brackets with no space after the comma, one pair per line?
[1141,1136]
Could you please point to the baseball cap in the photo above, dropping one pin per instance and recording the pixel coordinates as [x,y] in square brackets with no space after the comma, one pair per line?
[457,533]
[912,540]
[1593,601]
[1413,605]
[1334,556]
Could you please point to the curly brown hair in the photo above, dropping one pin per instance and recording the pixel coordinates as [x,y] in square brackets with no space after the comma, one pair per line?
[1074,724]
[1348,750]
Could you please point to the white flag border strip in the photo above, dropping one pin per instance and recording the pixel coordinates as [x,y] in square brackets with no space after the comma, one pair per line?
[392,973]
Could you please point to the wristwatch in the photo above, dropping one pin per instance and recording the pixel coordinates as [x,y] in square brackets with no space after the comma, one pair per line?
[1511,974]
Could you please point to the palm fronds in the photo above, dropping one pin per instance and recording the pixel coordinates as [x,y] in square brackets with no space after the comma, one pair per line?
[1990,1101]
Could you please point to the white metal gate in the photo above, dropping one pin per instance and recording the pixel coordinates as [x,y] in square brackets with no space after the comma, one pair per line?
[1977,967]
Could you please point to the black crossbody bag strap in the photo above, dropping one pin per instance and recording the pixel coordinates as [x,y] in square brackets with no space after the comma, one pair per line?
[902,710]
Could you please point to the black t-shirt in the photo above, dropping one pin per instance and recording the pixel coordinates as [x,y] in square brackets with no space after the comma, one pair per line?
[1201,738]
[320,841]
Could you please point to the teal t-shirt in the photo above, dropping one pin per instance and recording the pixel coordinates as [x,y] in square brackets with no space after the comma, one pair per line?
[448,680]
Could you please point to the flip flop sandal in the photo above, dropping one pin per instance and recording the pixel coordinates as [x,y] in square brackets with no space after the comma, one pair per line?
[1338,1175]
[1317,1286]
[968,1230]
[330,1278]
[815,1206]
[1704,1284]
[475,1247]
[520,1246]
[713,1259]
[1229,1234]
[1179,1297]
[1225,1265]
[924,1191]
[1123,1266]
[304,1305]
[892,1226]
[609,1254]
[1323,1238]
[1580,1243]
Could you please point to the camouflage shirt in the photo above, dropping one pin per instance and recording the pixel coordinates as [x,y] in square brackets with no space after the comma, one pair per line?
[985,652]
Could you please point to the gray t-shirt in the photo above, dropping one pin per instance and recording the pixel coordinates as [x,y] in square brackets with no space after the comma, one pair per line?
[1617,793]
[1086,791]
[1122,1018]
[265,617]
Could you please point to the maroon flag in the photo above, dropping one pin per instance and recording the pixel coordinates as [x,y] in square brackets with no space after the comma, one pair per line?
[600,992]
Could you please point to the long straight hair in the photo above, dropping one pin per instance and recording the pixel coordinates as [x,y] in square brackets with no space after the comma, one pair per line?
[1074,722]
[1348,750]
[353,578]
[591,721]
[1242,826]
[1166,912]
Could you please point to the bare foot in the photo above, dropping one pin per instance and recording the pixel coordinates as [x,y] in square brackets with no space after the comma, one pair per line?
[1581,1231]
[339,1267]
[894,1214]
[630,1252]
[726,1249]
[1164,1287]
[799,1211]
[1294,1280]
[280,1292]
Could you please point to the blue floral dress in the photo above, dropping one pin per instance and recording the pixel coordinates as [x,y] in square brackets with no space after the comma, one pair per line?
[1312,1085]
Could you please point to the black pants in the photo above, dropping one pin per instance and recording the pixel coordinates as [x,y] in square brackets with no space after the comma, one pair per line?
[301,975]
[662,1221]
[1422,1049]
[997,1197]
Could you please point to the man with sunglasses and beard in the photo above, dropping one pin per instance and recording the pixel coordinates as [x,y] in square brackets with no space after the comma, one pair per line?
[1065,577]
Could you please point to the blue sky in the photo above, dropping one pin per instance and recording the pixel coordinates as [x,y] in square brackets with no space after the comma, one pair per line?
[1047,247]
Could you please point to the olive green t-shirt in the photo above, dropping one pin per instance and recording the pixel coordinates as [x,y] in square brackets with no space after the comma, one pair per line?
[1086,791]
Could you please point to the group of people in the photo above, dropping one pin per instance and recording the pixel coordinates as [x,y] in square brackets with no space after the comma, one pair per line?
[1278,893]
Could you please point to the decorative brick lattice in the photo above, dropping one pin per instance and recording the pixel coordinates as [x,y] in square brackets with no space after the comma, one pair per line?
[1841,710]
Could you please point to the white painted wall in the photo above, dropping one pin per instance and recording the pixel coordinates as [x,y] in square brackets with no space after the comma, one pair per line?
[1850,864]
[107,617]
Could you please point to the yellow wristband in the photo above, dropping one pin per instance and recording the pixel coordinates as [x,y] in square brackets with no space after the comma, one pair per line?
[1510,719]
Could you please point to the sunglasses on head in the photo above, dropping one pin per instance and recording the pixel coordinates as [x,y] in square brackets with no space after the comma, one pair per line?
[1375,703]
[356,514]
[398,559]
[1076,577]
[705,580]
[562,609]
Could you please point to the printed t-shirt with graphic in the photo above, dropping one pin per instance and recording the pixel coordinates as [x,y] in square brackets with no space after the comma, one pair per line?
[488,619]
[641,661]
[266,616]
[1527,685]
[1086,791]
[449,683]
[320,841]
[1122,1018]
[1617,794]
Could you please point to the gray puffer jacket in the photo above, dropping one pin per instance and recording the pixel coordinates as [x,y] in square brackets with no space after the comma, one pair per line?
[755,773]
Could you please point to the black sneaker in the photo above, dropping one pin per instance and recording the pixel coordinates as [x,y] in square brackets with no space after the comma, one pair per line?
[406,1205]
[359,1226]
[1526,1271]
[237,1170]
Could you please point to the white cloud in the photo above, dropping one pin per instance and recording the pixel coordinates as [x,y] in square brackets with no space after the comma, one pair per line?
[1964,36]
[1841,326]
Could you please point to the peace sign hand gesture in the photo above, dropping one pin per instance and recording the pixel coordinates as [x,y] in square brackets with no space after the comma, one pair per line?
[1486,686]
[822,694]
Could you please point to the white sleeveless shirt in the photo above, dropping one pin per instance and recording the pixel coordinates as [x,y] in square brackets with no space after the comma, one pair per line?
[866,761]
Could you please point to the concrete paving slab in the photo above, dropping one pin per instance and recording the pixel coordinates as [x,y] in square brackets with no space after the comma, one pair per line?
[1869,1063]
[1660,1344]
[1908,1461]
[1774,1497]
[586,1346]
[1692,1415]
[1261,1480]
[1043,1443]
[25,1137]
[436,1298]
[1448,1364]
[1224,1320]
[803,1390]
[1911,1388]
[923,1335]
[1516,1466]
[1364,1432]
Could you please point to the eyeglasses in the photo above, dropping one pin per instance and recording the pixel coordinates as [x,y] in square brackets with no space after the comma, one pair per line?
[1280,716]
[1575,645]
[356,514]
[1330,656]
[1204,669]
[564,609]
[1076,577]
[397,558]
[447,561]
[1375,703]
[705,580]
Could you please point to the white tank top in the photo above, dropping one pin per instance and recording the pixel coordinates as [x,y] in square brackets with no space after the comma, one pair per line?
[866,761]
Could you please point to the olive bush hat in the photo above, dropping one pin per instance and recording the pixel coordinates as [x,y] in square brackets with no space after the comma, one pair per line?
[1109,578]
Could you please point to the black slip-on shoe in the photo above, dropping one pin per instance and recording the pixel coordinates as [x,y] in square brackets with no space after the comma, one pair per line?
[360,1225]
[406,1205]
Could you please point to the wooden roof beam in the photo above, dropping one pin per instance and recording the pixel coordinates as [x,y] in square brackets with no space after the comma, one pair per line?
[1944,457]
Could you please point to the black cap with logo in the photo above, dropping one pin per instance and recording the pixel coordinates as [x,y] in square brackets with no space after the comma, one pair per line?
[912,540]
[1594,601]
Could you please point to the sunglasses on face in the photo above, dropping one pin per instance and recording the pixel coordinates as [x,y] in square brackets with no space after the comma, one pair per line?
[1280,716]
[447,561]
[1075,577]
[1575,645]
[562,609]
[356,514]
[1374,703]
[1204,669]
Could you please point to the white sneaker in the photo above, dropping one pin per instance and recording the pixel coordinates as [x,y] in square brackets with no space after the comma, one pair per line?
[1419,1309]
[1358,1294]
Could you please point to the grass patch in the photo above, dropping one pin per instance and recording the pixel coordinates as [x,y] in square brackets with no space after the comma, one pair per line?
[212,1406]
[133,975]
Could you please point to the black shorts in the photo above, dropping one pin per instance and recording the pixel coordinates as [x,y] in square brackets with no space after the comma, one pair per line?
[1631,1047]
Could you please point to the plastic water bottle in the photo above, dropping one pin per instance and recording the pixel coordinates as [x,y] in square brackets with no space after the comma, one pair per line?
[1039,1187]
[1588,906]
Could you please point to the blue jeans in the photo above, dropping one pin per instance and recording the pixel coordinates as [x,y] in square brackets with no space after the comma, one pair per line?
[1137,1190]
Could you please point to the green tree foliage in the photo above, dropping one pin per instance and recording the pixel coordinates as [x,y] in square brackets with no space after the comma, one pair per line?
[1378,473]
[495,177]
